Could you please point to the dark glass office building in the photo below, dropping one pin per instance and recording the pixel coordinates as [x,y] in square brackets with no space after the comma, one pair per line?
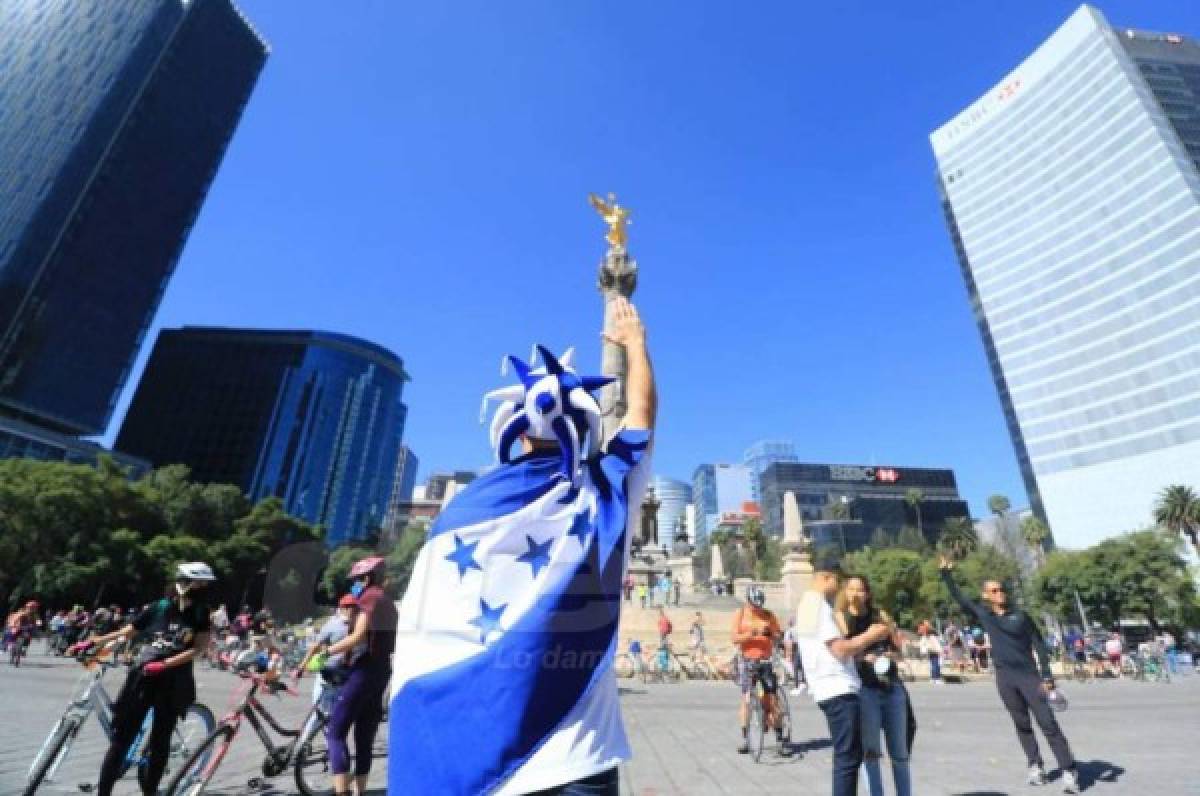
[114,116]
[874,497]
[19,440]
[313,418]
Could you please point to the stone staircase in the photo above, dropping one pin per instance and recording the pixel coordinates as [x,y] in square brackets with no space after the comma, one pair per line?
[718,613]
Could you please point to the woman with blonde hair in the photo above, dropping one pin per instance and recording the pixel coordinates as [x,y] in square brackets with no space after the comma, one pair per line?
[884,700]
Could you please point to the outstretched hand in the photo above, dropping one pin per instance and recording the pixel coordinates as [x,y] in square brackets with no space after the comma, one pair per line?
[626,329]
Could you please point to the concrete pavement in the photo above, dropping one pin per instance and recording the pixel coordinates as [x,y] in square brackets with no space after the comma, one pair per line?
[1130,738]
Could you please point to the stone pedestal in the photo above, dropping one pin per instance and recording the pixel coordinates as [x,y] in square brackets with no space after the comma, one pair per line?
[797,572]
[796,577]
[683,568]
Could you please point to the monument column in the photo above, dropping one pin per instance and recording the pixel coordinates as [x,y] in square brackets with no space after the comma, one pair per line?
[617,277]
[797,563]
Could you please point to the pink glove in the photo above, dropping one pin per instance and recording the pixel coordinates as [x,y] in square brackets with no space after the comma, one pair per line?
[154,668]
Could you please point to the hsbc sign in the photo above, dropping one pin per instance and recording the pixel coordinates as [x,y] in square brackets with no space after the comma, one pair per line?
[886,475]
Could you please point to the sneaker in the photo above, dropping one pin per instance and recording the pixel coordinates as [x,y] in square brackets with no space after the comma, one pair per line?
[1036,776]
[1070,782]
[744,748]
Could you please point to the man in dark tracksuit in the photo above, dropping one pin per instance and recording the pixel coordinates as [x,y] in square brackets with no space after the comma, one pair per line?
[1022,685]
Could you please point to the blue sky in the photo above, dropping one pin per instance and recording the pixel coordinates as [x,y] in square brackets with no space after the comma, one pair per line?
[416,174]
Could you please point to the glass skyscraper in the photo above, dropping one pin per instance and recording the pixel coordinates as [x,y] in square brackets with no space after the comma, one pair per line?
[763,454]
[718,488]
[876,497]
[312,418]
[673,496]
[1072,194]
[114,116]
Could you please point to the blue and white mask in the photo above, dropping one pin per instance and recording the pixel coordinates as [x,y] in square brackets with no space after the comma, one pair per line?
[551,403]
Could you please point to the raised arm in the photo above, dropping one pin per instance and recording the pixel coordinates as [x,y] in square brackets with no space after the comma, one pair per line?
[944,567]
[641,396]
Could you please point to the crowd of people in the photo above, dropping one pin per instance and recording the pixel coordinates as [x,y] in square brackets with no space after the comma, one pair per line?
[349,658]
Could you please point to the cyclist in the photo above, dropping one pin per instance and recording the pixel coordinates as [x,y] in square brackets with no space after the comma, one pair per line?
[332,669]
[635,653]
[360,702]
[176,628]
[755,631]
[20,625]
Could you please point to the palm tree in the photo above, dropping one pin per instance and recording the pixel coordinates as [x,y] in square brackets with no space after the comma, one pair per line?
[959,539]
[1178,511]
[999,505]
[839,509]
[913,497]
[1035,533]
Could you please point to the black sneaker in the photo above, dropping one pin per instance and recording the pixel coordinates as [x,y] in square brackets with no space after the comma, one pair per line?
[744,749]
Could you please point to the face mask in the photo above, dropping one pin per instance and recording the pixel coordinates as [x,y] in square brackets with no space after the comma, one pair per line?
[358,588]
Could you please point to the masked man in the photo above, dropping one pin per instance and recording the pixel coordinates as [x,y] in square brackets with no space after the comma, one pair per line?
[503,668]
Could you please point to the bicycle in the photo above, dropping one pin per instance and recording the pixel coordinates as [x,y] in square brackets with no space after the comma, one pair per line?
[90,696]
[307,753]
[19,648]
[1081,672]
[664,670]
[757,722]
[1149,667]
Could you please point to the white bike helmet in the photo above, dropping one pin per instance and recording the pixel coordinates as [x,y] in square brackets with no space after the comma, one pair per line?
[755,596]
[195,570]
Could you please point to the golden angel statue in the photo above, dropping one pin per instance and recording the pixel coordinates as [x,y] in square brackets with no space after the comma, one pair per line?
[615,216]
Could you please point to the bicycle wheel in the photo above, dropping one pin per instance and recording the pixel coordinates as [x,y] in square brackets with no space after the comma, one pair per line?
[623,665]
[196,772]
[314,777]
[756,727]
[55,748]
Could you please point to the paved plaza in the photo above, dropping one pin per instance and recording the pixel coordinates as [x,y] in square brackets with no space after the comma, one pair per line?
[1131,738]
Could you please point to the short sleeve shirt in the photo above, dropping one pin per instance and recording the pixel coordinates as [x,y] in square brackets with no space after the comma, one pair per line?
[381,624]
[169,630]
[827,675]
[758,647]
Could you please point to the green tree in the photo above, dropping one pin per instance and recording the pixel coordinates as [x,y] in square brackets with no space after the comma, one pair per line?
[881,540]
[403,556]
[336,578]
[911,538]
[1178,512]
[985,562]
[769,566]
[913,497]
[958,538]
[1138,574]
[897,579]
[79,533]
[1034,533]
[838,509]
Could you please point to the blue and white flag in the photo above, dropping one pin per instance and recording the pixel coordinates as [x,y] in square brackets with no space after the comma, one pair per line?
[503,678]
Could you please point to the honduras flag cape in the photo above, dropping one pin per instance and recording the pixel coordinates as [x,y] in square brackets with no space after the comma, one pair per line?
[503,677]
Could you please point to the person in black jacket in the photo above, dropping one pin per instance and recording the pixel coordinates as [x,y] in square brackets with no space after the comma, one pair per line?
[1023,685]
[175,629]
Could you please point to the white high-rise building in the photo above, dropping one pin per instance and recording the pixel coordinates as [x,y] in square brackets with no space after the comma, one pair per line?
[1072,193]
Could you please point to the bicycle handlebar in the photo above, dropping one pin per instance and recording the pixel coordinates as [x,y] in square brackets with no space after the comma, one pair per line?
[273,686]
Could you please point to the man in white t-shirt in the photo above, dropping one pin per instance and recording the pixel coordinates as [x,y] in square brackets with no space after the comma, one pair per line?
[828,657]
